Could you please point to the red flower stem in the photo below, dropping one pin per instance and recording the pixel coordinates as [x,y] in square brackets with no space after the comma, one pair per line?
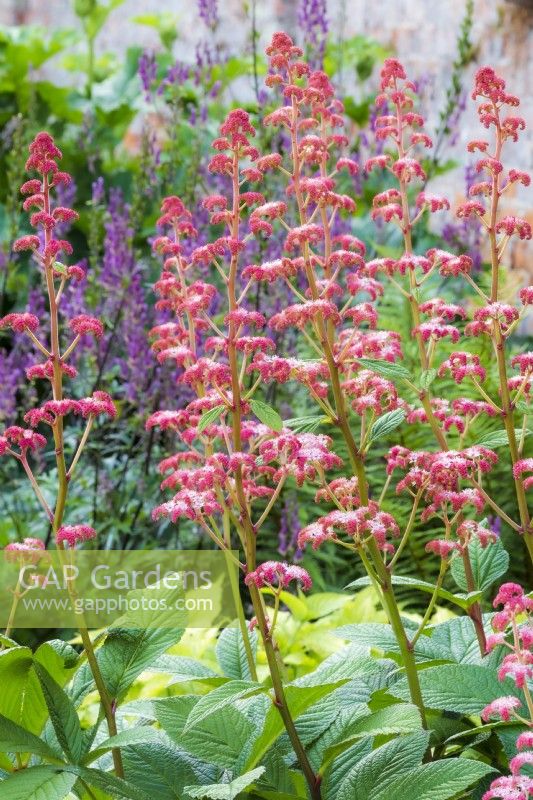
[63,481]
[246,522]
[13,611]
[31,477]
[80,447]
[499,346]
[388,598]
[474,611]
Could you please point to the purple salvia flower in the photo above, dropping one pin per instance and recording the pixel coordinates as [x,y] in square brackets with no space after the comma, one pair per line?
[313,20]
[208,13]
[147,72]
[98,191]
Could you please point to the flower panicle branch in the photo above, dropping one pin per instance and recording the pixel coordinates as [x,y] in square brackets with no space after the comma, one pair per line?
[45,245]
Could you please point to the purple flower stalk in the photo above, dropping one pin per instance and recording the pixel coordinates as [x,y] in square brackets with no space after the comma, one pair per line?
[147,72]
[313,21]
[208,13]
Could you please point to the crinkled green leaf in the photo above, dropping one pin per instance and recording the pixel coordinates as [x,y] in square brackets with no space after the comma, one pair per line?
[209,417]
[266,414]
[439,780]
[37,783]
[299,699]
[128,652]
[461,688]
[427,377]
[463,601]
[184,669]
[218,698]
[346,664]
[386,424]
[220,739]
[226,791]
[15,739]
[231,653]
[63,715]
[395,719]
[488,564]
[385,368]
[500,438]
[306,424]
[383,764]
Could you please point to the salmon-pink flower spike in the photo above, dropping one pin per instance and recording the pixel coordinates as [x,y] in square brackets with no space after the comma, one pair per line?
[29,551]
[359,524]
[84,324]
[513,787]
[526,295]
[279,575]
[525,465]
[502,708]
[74,534]
[45,215]
[525,741]
[20,322]
[23,439]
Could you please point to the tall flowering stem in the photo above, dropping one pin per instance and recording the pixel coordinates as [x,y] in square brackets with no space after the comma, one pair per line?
[227,468]
[404,129]
[311,118]
[496,320]
[513,632]
[19,442]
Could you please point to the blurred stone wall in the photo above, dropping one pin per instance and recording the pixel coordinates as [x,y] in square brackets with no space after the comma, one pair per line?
[422,32]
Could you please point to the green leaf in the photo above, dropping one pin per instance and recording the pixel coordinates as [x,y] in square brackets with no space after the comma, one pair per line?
[58,657]
[427,377]
[220,739]
[379,767]
[386,369]
[24,702]
[346,664]
[126,653]
[381,636]
[62,715]
[163,770]
[60,268]
[218,698]
[439,780]
[461,688]
[138,735]
[209,417]
[306,424]
[15,739]
[266,414]
[386,424]
[395,719]
[44,783]
[98,15]
[463,601]
[488,564]
[107,782]
[226,791]
[231,653]
[458,638]
[299,699]
[183,669]
[500,438]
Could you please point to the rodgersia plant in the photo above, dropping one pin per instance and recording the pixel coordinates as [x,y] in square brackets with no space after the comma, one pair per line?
[56,343]
[239,453]
[514,635]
